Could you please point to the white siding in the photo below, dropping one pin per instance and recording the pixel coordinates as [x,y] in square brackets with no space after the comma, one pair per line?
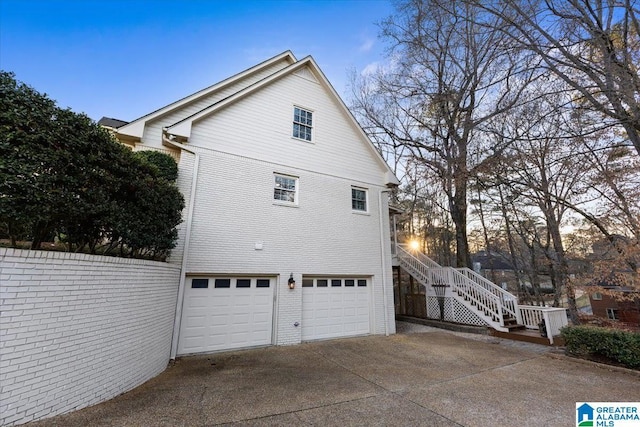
[260,126]
[234,210]
[241,147]
[153,130]
[184,181]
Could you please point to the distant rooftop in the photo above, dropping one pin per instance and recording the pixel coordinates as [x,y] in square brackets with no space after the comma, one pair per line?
[493,261]
[111,123]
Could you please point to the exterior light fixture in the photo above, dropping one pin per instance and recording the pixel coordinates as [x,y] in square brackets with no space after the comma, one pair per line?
[291,282]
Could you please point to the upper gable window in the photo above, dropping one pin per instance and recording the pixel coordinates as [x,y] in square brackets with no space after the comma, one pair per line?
[359,199]
[302,123]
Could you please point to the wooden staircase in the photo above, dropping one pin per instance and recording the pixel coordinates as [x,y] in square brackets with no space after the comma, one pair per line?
[511,323]
[495,306]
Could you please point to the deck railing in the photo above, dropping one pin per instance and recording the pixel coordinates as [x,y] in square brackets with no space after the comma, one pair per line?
[488,299]
[428,272]
[508,300]
[554,319]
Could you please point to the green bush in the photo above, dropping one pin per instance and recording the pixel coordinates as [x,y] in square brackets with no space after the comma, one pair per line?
[63,177]
[619,346]
[164,164]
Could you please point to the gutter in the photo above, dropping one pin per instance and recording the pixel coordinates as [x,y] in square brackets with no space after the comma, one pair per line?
[185,253]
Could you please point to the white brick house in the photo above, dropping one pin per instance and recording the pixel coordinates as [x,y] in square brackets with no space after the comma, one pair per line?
[280,183]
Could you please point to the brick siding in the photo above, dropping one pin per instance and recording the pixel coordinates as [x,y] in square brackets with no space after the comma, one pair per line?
[79,329]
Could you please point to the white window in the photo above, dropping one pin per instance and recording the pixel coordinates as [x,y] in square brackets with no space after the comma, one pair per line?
[613,314]
[302,123]
[359,199]
[596,296]
[285,189]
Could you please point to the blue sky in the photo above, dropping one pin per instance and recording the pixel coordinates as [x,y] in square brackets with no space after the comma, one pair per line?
[126,58]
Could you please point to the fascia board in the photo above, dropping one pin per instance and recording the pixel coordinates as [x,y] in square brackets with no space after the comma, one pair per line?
[390,177]
[136,128]
[183,127]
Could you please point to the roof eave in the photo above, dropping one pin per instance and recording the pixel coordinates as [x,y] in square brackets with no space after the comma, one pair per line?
[136,127]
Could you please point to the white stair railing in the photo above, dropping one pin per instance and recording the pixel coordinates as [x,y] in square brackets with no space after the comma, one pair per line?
[482,300]
[509,301]
[554,318]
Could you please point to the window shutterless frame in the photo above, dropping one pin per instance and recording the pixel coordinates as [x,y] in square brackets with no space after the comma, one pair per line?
[302,123]
[285,189]
[359,199]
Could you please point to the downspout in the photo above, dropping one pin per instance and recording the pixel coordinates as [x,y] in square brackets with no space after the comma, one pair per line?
[185,252]
[384,268]
[395,235]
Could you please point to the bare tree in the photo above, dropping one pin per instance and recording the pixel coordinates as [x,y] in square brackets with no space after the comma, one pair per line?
[592,45]
[448,78]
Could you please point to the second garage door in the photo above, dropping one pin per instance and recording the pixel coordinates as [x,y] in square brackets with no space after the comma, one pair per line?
[221,313]
[335,307]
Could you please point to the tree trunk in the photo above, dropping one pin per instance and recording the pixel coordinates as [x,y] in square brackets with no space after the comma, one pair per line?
[458,205]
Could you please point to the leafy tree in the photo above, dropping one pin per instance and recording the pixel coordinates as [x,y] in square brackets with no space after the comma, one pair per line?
[149,210]
[165,165]
[63,175]
[33,161]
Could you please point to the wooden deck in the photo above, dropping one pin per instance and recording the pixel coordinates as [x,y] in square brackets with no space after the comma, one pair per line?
[528,335]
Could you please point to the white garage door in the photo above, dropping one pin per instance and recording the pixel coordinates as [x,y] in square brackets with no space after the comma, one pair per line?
[333,308]
[221,313]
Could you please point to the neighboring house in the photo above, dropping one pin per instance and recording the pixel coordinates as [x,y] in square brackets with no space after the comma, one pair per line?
[111,124]
[286,231]
[496,267]
[617,303]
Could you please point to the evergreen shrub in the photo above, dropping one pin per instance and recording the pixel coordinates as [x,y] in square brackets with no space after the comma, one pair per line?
[596,343]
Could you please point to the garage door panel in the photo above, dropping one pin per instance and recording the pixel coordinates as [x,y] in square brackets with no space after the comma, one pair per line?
[334,311]
[197,302]
[350,312]
[241,320]
[262,318]
[226,317]
[240,337]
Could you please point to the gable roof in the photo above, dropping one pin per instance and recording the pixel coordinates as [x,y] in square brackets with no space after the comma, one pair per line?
[182,128]
[111,123]
[136,128]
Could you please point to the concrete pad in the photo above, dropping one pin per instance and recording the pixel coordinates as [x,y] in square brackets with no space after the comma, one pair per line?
[431,378]
[384,410]
[278,380]
[401,362]
[541,389]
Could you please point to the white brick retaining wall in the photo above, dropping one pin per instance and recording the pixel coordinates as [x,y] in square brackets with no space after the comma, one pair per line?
[78,329]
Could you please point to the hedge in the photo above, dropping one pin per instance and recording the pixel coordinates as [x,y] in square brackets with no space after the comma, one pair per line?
[622,347]
[66,181]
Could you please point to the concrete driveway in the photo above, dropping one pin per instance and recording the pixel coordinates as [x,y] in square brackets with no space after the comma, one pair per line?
[420,377]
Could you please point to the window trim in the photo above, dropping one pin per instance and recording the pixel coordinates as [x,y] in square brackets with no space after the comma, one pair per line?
[335,281]
[222,283]
[295,191]
[294,122]
[366,200]
[596,296]
[199,283]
